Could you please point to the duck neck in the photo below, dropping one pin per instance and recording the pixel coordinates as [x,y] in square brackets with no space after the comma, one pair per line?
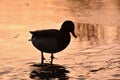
[63,32]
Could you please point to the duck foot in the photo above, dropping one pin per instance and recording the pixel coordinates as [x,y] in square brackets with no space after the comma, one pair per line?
[52,57]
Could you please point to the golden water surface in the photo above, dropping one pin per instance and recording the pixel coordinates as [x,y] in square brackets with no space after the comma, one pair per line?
[94,55]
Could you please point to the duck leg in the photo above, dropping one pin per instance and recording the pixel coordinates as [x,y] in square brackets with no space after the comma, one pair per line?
[52,57]
[42,57]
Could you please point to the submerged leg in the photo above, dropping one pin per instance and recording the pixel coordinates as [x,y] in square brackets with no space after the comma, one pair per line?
[42,57]
[52,57]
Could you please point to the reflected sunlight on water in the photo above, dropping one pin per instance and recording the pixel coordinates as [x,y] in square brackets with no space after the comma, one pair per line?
[94,53]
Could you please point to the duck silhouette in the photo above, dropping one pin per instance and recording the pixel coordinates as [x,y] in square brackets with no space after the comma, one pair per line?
[53,40]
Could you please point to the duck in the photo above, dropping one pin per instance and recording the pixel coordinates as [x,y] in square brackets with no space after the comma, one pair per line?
[53,40]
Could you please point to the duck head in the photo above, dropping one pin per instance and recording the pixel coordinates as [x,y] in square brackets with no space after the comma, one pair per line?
[68,26]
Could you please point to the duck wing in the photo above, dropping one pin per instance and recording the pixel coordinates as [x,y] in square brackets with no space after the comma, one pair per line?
[50,33]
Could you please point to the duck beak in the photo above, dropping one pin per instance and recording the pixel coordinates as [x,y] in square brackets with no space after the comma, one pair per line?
[73,33]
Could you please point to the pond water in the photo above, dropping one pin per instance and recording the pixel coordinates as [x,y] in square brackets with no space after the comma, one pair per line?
[94,55]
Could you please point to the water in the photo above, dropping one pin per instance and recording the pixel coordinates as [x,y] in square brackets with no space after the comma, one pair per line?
[104,14]
[94,11]
[94,55]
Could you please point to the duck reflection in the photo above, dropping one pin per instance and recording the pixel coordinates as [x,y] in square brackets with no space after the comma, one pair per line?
[48,72]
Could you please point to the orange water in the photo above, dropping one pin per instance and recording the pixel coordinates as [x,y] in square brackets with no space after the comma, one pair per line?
[17,18]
